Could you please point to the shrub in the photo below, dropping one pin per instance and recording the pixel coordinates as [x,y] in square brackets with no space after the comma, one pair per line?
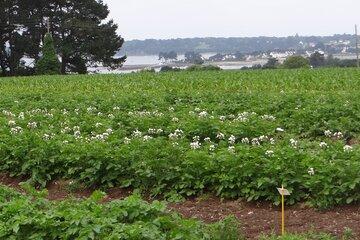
[203,68]
[293,62]
[169,69]
[147,70]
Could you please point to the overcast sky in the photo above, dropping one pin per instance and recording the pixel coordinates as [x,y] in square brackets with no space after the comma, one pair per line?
[164,19]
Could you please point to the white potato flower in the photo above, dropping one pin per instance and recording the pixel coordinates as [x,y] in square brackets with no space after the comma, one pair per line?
[77,134]
[179,132]
[16,130]
[269,153]
[338,135]
[32,125]
[280,130]
[220,136]
[311,171]
[231,149]
[232,140]
[147,138]
[263,138]
[21,116]
[47,137]
[348,148]
[173,136]
[196,139]
[203,114]
[152,131]
[328,133]
[293,143]
[323,145]
[127,140]
[136,134]
[255,142]
[195,145]
[245,140]
[268,117]
[11,123]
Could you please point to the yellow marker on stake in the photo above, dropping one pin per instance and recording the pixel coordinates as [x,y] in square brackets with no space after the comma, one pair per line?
[283,192]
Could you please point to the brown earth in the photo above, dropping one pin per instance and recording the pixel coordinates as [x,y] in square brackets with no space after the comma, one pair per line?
[264,218]
[255,219]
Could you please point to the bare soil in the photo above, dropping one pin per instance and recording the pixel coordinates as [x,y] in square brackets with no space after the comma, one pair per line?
[263,218]
[255,218]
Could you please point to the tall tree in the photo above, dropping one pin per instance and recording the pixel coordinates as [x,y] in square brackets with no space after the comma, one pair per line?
[49,62]
[83,37]
[12,42]
[166,56]
[296,61]
[193,57]
[272,63]
[317,59]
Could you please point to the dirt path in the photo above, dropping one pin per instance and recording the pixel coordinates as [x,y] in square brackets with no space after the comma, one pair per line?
[256,219]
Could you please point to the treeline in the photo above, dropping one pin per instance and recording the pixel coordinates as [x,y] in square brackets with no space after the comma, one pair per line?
[242,45]
[82,35]
[316,60]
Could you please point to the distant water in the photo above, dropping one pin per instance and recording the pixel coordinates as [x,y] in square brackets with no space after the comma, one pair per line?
[142,60]
[153,59]
[136,63]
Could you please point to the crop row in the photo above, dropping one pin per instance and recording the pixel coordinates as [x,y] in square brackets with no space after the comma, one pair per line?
[32,216]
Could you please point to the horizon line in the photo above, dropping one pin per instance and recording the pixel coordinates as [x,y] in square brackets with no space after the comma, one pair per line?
[226,37]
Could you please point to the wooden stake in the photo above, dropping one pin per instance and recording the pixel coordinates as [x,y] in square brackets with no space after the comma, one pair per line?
[282,212]
[283,192]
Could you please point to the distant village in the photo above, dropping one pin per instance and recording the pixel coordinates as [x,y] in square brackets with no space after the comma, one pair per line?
[341,49]
[334,53]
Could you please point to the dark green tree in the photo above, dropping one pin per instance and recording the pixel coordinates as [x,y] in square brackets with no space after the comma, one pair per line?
[12,43]
[272,63]
[193,57]
[217,57]
[168,56]
[83,37]
[331,61]
[317,59]
[296,61]
[49,63]
[239,56]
